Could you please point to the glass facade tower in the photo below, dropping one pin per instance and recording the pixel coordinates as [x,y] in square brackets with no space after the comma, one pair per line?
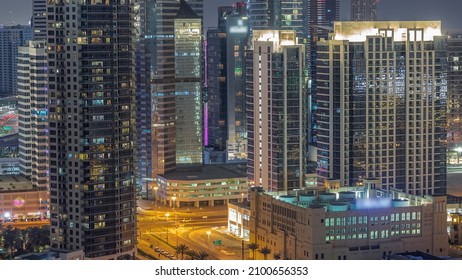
[188,86]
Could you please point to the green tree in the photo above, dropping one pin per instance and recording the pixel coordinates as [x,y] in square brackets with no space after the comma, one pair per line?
[265,251]
[182,249]
[253,247]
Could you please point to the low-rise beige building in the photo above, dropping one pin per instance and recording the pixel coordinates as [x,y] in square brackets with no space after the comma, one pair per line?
[353,223]
[206,185]
[20,201]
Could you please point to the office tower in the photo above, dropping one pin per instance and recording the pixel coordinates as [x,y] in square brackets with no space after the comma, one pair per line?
[364,10]
[145,63]
[284,15]
[382,106]
[237,30]
[11,37]
[223,13]
[216,82]
[188,85]
[454,113]
[91,60]
[33,113]
[322,14]
[39,19]
[163,100]
[275,111]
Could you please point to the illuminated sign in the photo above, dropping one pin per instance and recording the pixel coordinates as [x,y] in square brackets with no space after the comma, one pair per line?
[238,29]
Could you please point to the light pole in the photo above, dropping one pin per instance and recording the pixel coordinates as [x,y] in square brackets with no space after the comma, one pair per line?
[167,234]
[155,198]
[176,232]
[208,238]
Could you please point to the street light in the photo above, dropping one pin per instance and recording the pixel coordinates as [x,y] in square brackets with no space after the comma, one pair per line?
[167,215]
[208,238]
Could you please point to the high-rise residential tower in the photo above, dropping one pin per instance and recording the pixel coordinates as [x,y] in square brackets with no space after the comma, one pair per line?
[276,115]
[33,113]
[188,85]
[91,86]
[364,10]
[11,38]
[39,19]
[454,113]
[382,106]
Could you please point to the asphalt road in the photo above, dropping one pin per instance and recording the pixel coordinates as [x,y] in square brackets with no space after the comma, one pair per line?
[190,227]
[23,225]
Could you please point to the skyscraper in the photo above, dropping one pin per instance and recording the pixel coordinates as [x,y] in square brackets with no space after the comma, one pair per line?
[363,10]
[39,19]
[33,113]
[163,110]
[216,84]
[92,127]
[322,14]
[276,115]
[226,48]
[188,85]
[280,15]
[237,30]
[382,106]
[11,37]
[454,113]
[145,63]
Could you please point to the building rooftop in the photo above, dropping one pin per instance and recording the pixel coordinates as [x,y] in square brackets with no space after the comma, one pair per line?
[185,11]
[357,31]
[207,172]
[414,256]
[352,198]
[12,183]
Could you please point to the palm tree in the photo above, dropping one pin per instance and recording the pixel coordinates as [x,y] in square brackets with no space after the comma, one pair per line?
[182,249]
[192,254]
[265,251]
[253,247]
[277,256]
[202,255]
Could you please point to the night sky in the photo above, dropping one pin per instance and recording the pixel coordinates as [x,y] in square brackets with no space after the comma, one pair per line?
[19,11]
